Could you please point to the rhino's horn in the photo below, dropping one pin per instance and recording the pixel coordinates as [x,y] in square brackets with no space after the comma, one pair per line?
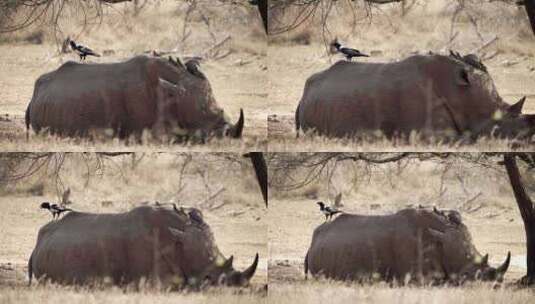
[238,127]
[228,262]
[249,272]
[503,268]
[516,108]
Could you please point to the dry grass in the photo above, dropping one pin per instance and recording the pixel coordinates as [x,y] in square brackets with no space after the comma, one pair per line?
[336,292]
[46,294]
[282,138]
[236,216]
[482,195]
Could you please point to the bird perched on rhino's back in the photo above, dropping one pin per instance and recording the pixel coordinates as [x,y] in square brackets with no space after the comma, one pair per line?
[150,244]
[328,211]
[54,209]
[82,51]
[127,98]
[349,53]
[389,247]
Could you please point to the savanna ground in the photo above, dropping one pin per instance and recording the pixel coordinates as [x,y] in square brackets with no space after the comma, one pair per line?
[388,35]
[479,190]
[230,38]
[223,186]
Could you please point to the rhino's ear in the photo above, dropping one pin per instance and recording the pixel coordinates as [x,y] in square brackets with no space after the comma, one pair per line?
[176,232]
[167,87]
[166,84]
[439,235]
[228,263]
[462,78]
[516,108]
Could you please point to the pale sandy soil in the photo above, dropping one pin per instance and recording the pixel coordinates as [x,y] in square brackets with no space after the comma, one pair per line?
[492,218]
[236,216]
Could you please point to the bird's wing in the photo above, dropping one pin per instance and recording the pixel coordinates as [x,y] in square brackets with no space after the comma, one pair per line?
[86,50]
[349,51]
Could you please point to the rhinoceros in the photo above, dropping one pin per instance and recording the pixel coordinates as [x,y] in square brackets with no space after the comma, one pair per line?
[144,92]
[407,246]
[445,97]
[147,244]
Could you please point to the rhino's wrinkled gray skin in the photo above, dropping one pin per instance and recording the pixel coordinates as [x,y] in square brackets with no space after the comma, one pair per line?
[446,97]
[411,244]
[155,244]
[143,93]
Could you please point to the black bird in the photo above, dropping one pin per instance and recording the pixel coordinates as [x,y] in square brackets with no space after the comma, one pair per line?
[348,52]
[327,211]
[54,209]
[82,51]
[474,61]
[196,216]
[193,67]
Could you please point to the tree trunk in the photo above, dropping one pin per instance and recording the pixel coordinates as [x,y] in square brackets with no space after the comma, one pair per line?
[525,205]
[530,9]
[260,168]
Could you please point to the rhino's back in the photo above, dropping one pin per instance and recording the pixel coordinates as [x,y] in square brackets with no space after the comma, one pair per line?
[354,246]
[77,97]
[82,246]
[350,97]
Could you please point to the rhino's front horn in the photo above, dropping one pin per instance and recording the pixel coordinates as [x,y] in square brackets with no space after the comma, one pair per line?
[238,127]
[249,272]
[503,268]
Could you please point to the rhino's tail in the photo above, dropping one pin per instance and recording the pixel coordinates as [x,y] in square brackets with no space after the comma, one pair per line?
[30,271]
[27,121]
[297,121]
[306,266]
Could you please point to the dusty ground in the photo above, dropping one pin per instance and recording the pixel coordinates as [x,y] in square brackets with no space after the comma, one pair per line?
[295,56]
[483,197]
[236,215]
[238,78]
